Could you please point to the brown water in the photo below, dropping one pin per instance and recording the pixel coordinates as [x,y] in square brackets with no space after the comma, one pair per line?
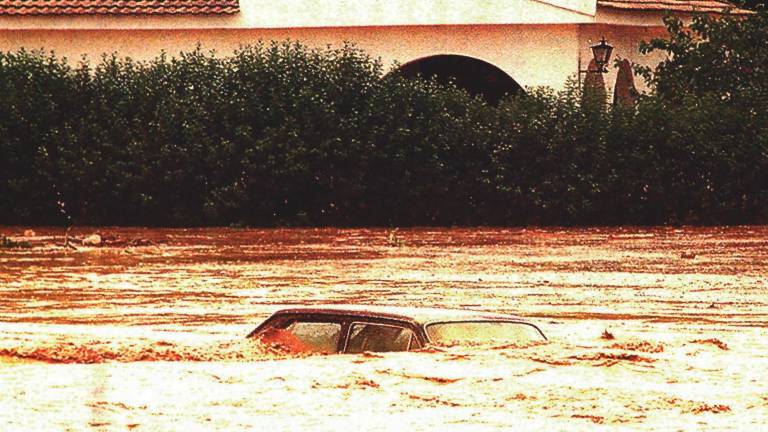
[151,337]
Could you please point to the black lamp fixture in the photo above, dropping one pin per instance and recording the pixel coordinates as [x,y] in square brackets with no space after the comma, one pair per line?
[601,52]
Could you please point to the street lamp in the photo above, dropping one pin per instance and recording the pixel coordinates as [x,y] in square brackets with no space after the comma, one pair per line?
[602,55]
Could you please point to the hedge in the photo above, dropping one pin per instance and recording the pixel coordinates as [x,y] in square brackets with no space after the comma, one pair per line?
[280,134]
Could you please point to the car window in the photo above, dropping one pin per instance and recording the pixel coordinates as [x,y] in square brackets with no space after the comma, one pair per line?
[379,338]
[306,336]
[483,332]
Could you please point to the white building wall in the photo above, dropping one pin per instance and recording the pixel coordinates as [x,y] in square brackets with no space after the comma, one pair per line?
[537,42]
[532,54]
[336,13]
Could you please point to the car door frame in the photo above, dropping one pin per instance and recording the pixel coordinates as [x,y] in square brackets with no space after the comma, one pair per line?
[345,320]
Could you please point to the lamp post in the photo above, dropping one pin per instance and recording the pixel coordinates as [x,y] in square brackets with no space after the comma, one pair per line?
[602,55]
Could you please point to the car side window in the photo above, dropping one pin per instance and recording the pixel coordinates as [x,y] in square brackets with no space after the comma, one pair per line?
[306,336]
[379,338]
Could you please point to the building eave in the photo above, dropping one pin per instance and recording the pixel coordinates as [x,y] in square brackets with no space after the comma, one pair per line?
[63,8]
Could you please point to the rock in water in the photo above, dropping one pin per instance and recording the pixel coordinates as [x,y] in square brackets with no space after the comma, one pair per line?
[92,240]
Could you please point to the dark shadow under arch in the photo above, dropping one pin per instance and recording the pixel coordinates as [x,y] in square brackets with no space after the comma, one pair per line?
[476,76]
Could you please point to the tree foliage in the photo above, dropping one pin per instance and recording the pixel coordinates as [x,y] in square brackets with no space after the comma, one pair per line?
[751,4]
[725,56]
[713,87]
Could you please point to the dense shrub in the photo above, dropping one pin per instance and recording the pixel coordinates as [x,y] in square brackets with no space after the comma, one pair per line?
[713,90]
[280,134]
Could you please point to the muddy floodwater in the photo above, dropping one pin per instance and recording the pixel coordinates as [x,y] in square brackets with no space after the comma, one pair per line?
[650,329]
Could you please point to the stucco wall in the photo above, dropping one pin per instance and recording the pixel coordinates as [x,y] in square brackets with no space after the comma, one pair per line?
[626,43]
[531,54]
[537,42]
[336,13]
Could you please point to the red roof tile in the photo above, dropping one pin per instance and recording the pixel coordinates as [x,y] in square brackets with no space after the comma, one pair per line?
[118,7]
[705,6]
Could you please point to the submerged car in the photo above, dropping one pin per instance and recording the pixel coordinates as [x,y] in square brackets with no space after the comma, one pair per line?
[356,329]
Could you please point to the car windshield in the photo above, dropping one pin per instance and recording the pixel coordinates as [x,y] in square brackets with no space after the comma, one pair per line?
[483,332]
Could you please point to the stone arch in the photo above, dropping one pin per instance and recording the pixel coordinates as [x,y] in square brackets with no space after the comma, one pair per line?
[476,76]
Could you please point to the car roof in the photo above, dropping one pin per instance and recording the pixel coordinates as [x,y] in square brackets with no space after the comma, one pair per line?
[420,315]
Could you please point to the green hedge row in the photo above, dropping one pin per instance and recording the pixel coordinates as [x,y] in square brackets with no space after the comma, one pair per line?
[281,134]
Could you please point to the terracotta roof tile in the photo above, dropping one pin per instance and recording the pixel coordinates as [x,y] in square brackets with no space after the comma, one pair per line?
[118,7]
[707,6]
